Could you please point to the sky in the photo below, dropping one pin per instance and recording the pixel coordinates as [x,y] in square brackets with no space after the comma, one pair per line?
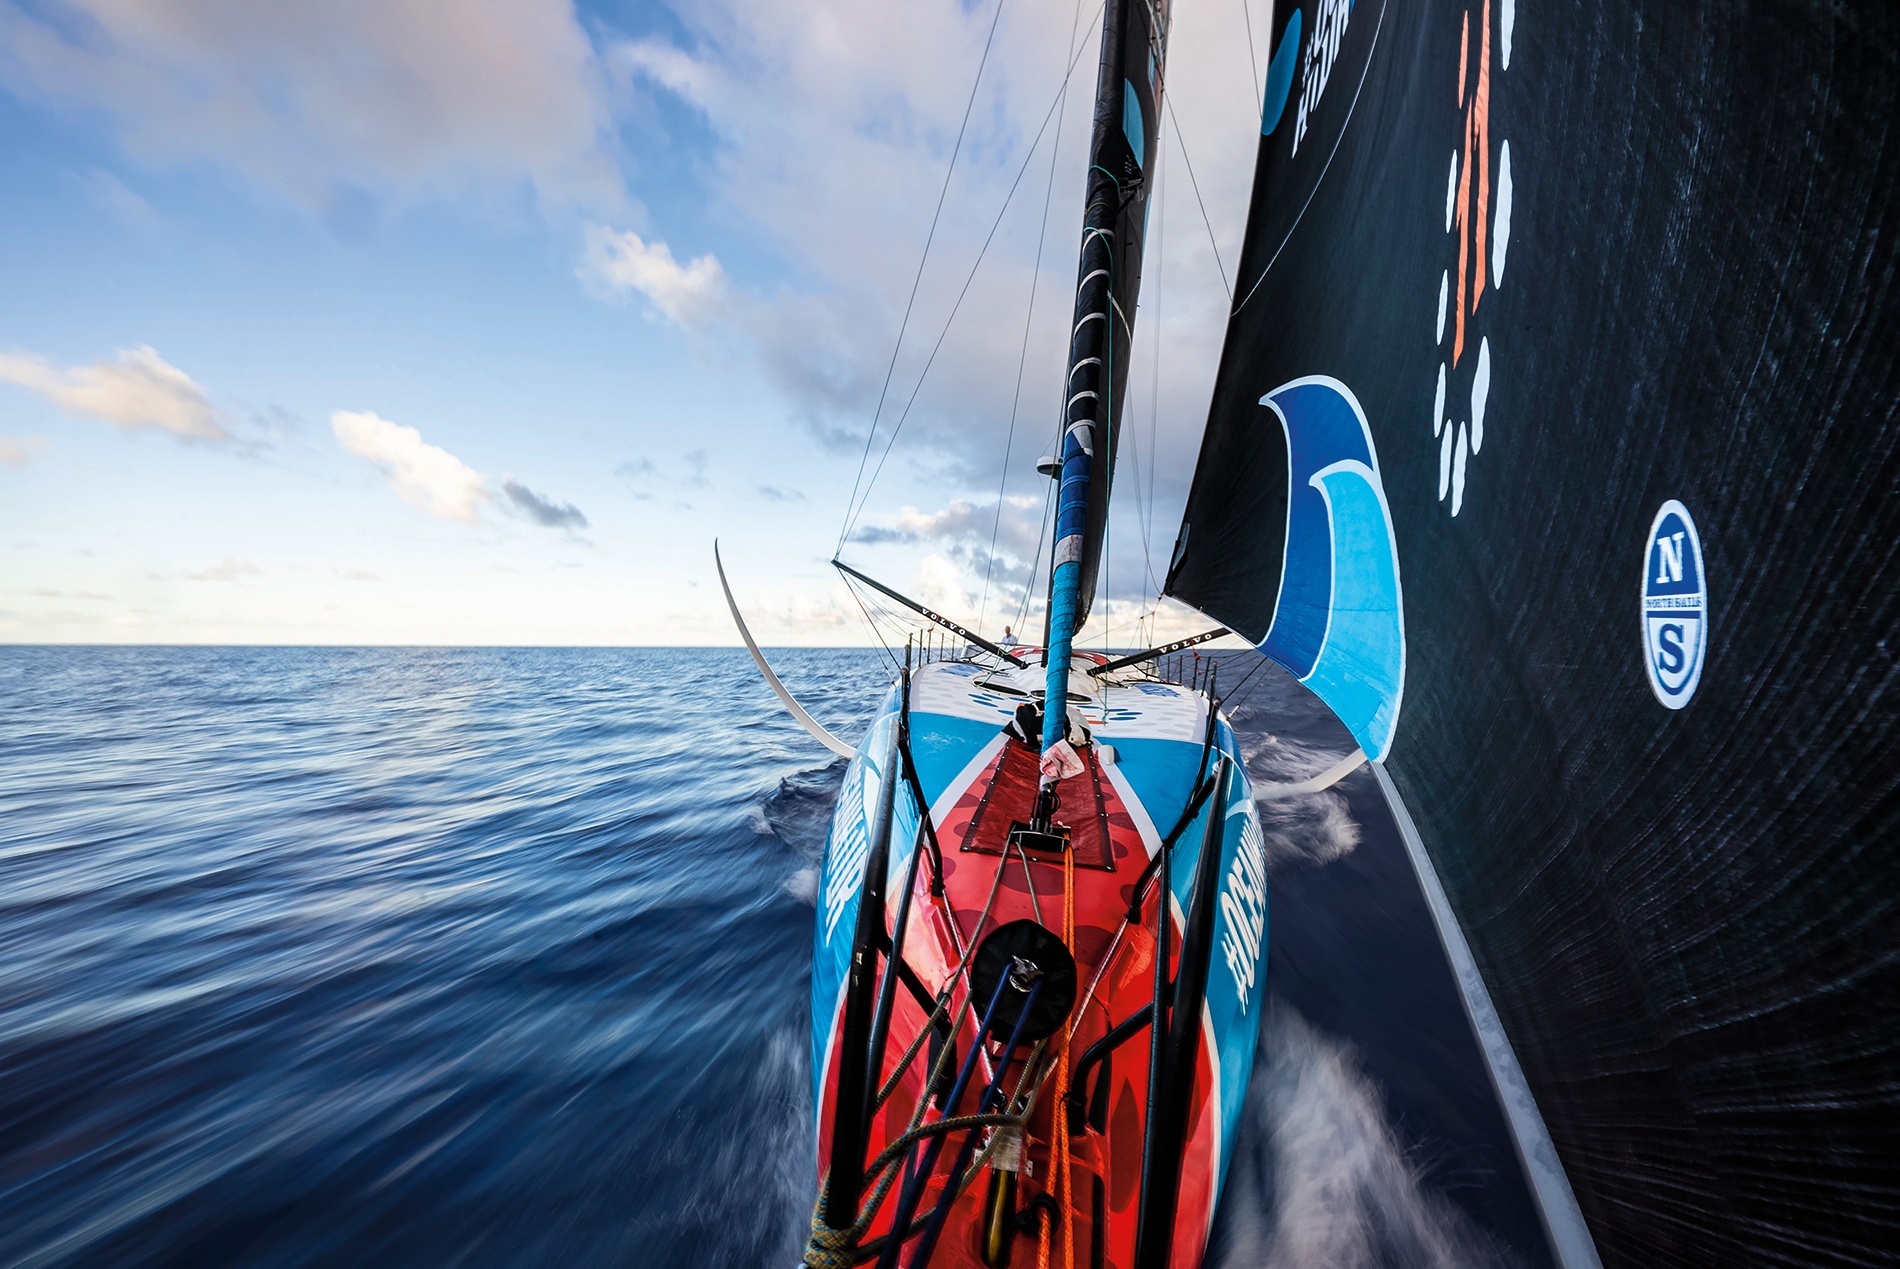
[420,322]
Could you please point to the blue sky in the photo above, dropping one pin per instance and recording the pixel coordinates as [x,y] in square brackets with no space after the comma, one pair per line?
[407,322]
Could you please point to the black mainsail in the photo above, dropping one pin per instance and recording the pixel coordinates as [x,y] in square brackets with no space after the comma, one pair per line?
[1554,446]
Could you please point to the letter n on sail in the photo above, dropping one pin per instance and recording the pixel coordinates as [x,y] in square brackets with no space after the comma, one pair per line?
[1339,623]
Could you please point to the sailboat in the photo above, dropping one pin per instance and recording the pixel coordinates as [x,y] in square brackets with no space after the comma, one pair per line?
[1038,964]
[1552,446]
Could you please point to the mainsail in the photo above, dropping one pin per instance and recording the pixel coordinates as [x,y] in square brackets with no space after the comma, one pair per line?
[1553,446]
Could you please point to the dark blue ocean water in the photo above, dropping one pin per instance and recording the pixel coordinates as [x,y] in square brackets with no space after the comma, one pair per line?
[498,958]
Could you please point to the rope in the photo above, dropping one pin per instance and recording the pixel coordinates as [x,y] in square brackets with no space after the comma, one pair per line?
[830,1248]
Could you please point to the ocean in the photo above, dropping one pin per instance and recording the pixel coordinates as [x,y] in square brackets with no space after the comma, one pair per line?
[499,957]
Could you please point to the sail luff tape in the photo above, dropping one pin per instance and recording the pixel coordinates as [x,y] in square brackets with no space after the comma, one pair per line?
[1097,316]
[1086,361]
[1069,548]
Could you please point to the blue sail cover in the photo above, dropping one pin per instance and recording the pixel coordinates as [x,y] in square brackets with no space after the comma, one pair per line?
[1554,446]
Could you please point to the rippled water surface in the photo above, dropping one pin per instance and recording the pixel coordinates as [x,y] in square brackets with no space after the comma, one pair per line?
[499,958]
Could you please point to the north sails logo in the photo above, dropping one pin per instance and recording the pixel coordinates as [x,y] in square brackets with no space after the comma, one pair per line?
[1478,195]
[1675,606]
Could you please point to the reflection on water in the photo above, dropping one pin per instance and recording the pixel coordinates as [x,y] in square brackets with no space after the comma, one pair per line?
[497,958]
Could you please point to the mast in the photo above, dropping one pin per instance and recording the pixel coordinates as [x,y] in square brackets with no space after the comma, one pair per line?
[1127,103]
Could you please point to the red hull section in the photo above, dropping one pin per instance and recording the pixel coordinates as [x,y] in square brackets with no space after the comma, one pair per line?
[1093,1175]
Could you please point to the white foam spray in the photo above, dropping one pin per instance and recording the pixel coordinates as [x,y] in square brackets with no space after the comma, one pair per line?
[1320,1180]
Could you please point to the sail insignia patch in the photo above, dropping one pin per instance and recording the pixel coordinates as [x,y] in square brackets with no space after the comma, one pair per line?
[1675,606]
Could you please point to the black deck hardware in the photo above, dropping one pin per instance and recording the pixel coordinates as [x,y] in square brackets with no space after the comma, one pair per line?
[1077,1104]
[1051,841]
[1026,952]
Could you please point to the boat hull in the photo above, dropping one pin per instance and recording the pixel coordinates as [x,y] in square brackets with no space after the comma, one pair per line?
[1149,743]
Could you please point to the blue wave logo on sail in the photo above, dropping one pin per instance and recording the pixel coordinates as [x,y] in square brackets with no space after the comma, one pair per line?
[1339,623]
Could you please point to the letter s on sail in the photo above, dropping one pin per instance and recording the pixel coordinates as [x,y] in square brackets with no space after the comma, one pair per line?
[1339,623]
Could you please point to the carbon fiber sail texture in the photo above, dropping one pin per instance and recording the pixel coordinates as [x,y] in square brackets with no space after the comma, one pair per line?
[1554,446]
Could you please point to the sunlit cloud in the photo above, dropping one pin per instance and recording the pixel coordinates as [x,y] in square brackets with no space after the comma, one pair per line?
[429,477]
[137,390]
[689,295]
[426,475]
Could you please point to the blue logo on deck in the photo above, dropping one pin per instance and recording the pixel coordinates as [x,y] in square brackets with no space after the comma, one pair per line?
[1339,623]
[1675,606]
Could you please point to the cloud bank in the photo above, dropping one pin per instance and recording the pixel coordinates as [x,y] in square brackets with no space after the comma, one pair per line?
[325,103]
[138,390]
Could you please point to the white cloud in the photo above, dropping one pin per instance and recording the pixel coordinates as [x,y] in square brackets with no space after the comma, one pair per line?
[425,475]
[429,477]
[689,295]
[318,101]
[140,389]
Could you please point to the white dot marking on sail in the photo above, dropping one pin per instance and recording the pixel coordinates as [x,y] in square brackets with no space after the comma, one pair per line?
[1458,453]
[1438,407]
[1480,394]
[1451,191]
[1501,222]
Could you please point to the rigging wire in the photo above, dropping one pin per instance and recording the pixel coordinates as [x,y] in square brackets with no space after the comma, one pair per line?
[852,516]
[922,260]
[1022,359]
[1144,502]
[1182,142]
[1246,13]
